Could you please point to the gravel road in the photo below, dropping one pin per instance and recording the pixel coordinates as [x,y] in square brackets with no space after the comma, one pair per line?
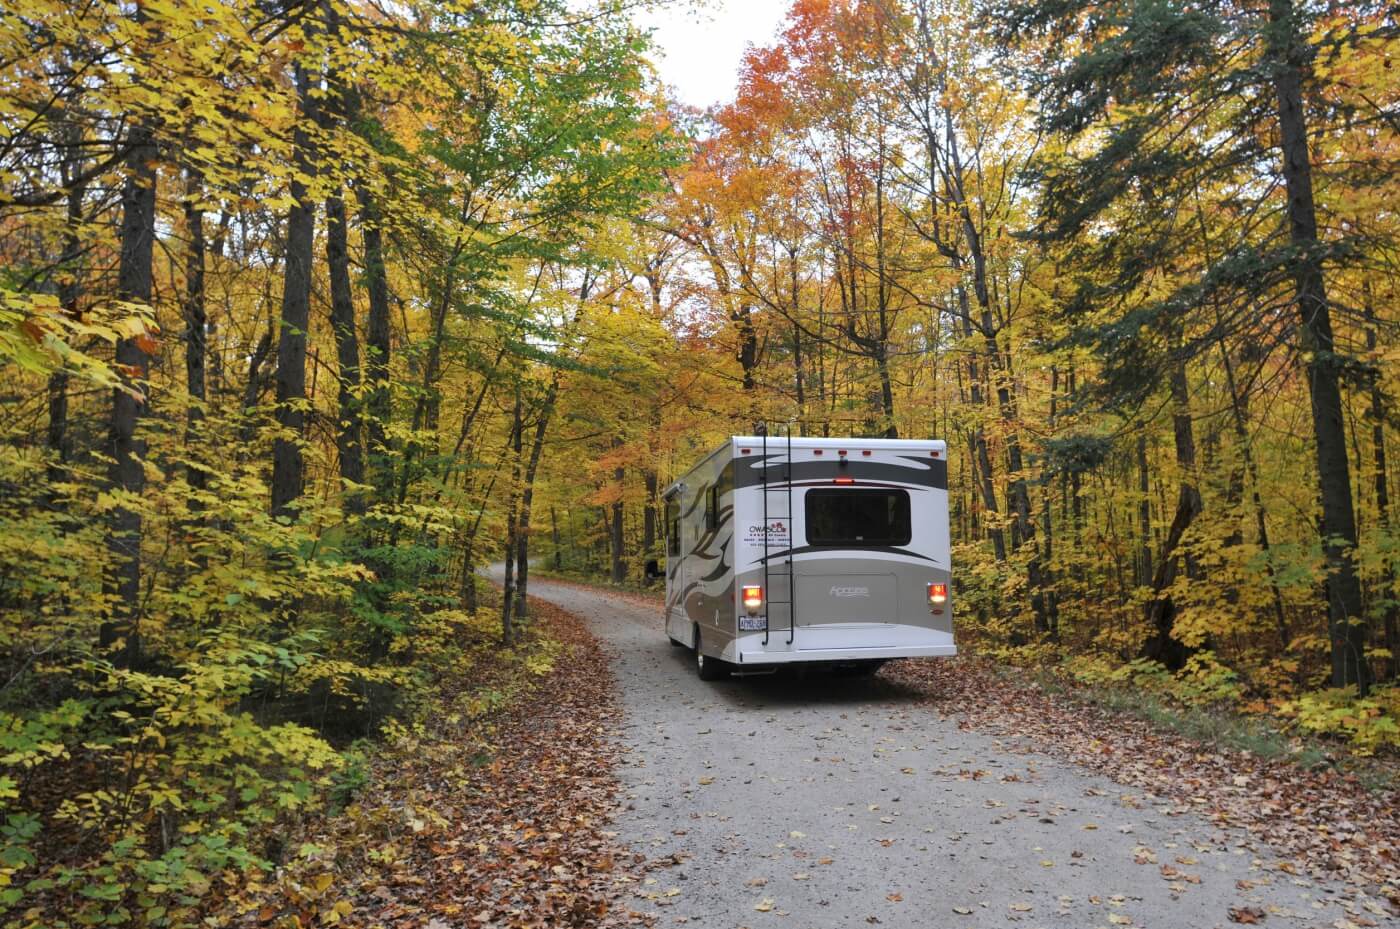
[827,802]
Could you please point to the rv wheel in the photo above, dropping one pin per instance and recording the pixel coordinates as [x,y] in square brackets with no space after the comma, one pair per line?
[709,669]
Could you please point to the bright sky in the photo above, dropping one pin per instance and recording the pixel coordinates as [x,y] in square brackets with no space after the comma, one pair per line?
[698,51]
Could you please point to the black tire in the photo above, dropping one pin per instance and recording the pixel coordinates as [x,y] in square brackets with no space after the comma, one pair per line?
[708,669]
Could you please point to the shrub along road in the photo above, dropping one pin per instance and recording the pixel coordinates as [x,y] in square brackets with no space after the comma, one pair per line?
[845,802]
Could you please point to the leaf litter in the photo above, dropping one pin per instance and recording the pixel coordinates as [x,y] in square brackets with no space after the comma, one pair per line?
[497,823]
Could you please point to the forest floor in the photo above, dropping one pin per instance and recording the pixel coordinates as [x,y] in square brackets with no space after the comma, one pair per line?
[493,812]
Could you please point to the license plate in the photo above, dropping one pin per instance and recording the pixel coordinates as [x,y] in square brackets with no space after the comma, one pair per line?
[751,624]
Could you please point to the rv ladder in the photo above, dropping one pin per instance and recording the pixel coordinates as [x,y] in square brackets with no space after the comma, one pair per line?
[789,573]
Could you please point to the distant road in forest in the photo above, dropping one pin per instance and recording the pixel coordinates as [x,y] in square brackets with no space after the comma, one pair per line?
[849,802]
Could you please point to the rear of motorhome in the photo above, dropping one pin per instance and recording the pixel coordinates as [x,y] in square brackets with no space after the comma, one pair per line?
[785,549]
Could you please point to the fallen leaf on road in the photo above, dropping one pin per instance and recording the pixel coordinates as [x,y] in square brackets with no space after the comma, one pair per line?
[1248,915]
[1318,819]
[764,905]
[963,910]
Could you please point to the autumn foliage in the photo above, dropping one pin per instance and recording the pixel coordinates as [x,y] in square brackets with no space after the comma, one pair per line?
[310,310]
[274,277]
[1074,240]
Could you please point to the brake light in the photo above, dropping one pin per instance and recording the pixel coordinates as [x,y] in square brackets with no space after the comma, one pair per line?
[937,594]
[753,598]
[843,480]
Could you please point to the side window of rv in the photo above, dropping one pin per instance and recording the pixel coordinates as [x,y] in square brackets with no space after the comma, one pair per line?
[673,528]
[858,517]
[714,497]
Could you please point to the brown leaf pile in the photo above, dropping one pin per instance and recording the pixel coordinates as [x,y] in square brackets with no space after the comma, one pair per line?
[503,826]
[1333,826]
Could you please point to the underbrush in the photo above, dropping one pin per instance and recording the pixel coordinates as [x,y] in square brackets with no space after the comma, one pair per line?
[147,799]
[1215,725]
[484,808]
[151,766]
[1208,696]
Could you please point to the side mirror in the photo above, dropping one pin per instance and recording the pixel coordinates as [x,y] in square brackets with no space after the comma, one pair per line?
[653,570]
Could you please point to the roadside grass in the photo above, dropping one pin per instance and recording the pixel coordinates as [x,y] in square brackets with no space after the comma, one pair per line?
[1216,726]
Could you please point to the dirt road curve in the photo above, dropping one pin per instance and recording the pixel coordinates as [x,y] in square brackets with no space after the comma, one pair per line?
[830,802]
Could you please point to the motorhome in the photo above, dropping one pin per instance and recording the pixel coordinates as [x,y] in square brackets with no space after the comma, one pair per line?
[787,549]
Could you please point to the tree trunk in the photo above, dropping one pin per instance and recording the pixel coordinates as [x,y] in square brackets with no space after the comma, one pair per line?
[1376,413]
[58,440]
[527,494]
[377,344]
[196,320]
[252,390]
[1144,566]
[287,465]
[619,564]
[1346,621]
[1162,645]
[348,437]
[1048,594]
[649,480]
[982,461]
[508,595]
[554,534]
[126,449]
[882,361]
[748,346]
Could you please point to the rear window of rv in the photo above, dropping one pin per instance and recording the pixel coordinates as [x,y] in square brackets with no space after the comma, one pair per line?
[856,517]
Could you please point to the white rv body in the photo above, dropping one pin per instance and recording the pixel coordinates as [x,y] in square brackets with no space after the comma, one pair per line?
[846,538]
